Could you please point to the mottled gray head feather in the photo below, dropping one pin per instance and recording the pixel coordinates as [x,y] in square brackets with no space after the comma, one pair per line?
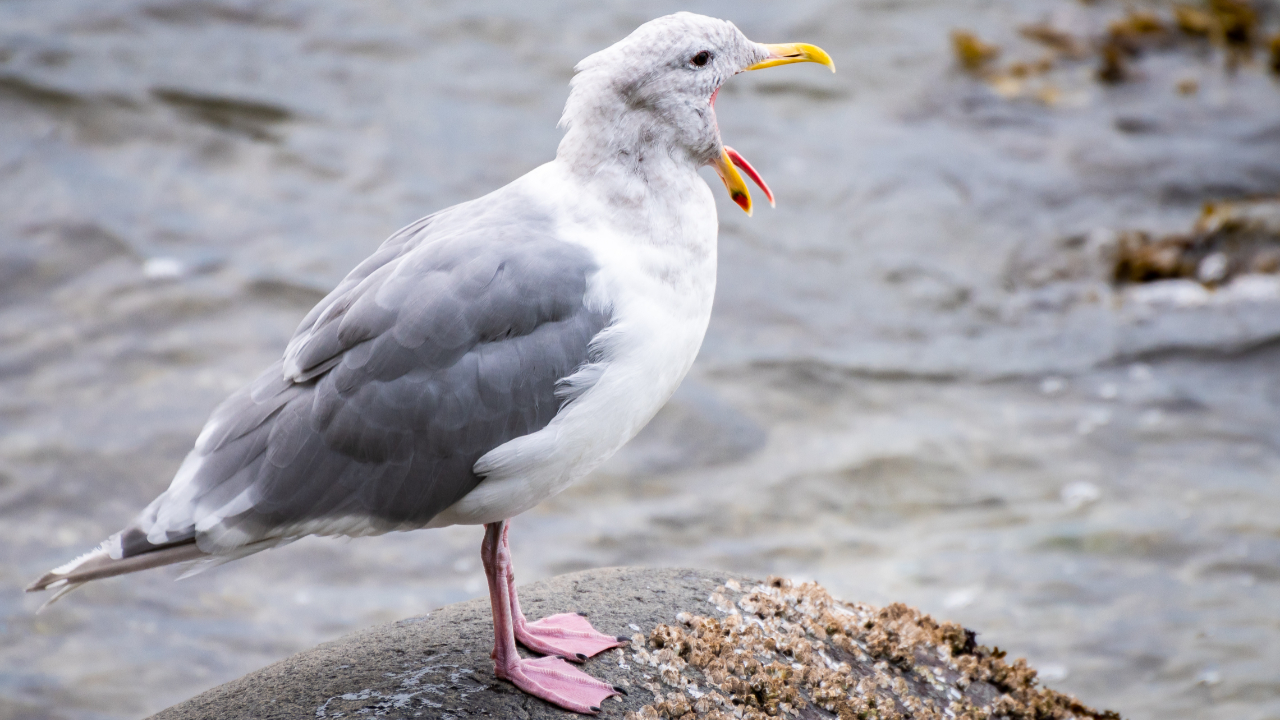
[646,94]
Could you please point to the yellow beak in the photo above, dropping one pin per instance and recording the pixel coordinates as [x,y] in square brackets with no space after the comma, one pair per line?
[788,53]
[733,181]
[730,160]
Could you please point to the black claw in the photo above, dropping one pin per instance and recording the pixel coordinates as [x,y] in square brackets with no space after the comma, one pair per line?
[623,638]
[595,709]
[619,689]
[582,613]
[581,656]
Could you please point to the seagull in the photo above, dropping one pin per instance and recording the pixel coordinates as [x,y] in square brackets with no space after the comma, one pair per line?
[489,355]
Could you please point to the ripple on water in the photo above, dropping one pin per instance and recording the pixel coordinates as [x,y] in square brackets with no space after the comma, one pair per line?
[921,382]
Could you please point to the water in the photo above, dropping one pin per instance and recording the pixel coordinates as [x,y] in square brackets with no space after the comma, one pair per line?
[913,388]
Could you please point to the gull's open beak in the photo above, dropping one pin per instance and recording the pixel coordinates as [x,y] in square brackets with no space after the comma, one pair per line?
[733,182]
[788,53]
[729,161]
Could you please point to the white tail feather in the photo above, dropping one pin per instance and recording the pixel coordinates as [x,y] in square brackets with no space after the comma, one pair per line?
[68,568]
[64,589]
[98,564]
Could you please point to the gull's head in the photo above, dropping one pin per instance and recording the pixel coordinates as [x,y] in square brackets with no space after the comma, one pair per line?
[651,96]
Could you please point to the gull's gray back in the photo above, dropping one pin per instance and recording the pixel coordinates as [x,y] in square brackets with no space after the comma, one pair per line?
[446,343]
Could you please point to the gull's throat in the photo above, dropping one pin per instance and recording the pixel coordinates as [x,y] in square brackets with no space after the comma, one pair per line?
[728,160]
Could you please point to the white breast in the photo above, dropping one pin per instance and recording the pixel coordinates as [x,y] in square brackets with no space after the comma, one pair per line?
[656,278]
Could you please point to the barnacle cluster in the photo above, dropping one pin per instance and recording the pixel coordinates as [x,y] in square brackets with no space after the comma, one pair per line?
[789,650]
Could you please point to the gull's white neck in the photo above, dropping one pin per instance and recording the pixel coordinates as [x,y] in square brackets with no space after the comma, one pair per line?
[637,178]
[653,238]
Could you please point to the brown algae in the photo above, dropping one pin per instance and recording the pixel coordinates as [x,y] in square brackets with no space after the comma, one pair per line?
[1229,239]
[971,52]
[1234,26]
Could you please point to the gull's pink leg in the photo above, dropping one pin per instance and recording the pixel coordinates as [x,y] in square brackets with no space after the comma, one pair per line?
[549,678]
[568,635]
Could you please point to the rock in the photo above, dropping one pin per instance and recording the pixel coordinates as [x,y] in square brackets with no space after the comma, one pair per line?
[803,654]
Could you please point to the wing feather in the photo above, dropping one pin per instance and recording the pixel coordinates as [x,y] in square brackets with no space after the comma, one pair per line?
[447,342]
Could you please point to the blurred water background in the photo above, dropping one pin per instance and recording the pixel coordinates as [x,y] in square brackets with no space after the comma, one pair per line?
[919,384]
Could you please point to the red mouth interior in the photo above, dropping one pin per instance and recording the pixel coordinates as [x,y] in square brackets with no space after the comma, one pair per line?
[736,158]
[745,166]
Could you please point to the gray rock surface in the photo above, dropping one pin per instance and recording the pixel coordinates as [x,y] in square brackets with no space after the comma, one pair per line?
[705,645]
[437,665]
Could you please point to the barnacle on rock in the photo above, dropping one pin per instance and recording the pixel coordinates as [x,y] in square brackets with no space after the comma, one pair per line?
[783,647]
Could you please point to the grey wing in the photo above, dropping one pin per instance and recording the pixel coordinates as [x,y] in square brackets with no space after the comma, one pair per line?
[389,394]
[339,299]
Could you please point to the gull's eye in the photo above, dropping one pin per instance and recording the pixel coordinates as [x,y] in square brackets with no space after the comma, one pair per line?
[701,58]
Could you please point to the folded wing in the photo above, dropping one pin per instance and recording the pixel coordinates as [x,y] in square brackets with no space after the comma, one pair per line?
[448,342]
